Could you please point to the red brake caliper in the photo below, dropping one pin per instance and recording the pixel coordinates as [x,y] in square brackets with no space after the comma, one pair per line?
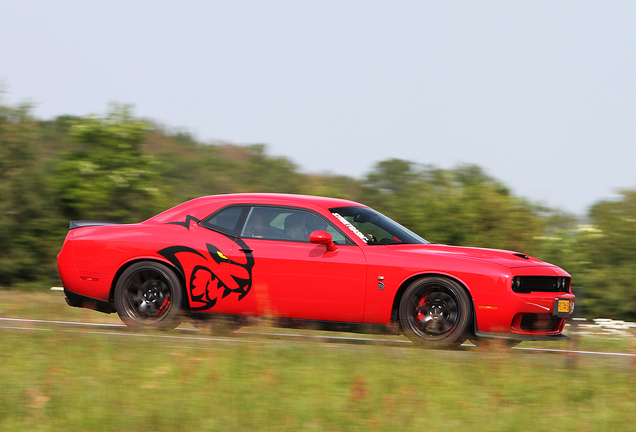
[164,306]
[420,306]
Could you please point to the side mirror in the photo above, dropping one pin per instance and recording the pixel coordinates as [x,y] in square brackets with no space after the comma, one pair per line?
[323,237]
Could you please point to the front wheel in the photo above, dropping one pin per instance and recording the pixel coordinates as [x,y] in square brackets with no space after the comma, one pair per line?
[149,295]
[435,311]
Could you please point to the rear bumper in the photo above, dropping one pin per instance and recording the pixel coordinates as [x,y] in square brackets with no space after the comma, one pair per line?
[78,300]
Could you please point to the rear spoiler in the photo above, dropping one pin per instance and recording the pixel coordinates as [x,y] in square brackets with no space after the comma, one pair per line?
[80,224]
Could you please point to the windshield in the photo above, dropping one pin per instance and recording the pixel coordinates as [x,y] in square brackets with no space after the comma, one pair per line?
[374,228]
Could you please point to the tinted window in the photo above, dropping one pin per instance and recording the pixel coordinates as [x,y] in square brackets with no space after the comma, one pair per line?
[228,220]
[282,223]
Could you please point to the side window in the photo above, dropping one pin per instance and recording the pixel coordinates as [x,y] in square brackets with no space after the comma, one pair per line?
[279,223]
[314,222]
[228,220]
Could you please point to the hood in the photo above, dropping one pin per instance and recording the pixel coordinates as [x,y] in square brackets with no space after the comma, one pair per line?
[506,258]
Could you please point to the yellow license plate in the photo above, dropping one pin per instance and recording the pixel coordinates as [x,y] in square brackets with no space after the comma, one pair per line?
[564,306]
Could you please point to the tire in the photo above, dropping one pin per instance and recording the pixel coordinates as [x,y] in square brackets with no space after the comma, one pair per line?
[435,312]
[149,295]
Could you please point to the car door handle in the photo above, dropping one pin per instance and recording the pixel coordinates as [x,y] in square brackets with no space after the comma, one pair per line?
[246,250]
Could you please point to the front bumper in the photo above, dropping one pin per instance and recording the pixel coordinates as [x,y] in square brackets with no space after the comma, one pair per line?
[523,316]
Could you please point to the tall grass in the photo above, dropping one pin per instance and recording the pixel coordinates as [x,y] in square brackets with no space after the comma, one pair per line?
[65,379]
[76,381]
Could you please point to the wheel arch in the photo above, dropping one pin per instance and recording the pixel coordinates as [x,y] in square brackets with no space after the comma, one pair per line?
[178,273]
[407,282]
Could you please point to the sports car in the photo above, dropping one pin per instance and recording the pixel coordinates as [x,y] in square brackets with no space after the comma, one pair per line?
[308,259]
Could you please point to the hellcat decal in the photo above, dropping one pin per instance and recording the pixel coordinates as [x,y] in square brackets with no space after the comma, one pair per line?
[207,273]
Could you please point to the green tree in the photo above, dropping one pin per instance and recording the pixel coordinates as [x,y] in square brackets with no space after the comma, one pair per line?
[263,173]
[108,168]
[29,222]
[462,206]
[608,267]
[108,176]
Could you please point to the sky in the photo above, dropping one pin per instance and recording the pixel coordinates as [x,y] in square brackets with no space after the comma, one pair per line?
[540,94]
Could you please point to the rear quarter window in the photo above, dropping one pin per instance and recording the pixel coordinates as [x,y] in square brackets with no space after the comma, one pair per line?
[228,220]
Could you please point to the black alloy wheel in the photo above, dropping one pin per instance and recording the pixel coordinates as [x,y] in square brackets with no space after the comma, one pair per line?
[149,295]
[435,311]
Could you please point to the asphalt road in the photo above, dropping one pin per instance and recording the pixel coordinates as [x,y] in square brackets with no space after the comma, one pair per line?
[239,336]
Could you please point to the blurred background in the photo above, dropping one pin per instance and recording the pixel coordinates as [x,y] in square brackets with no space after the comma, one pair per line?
[491,124]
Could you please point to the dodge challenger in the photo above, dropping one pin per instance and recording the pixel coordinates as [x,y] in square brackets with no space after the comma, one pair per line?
[309,259]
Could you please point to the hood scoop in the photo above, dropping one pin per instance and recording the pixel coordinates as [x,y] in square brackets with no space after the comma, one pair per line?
[520,255]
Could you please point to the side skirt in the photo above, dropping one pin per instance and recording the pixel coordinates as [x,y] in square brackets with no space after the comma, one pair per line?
[296,323]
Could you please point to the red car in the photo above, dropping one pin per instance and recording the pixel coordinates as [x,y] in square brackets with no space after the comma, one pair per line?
[308,258]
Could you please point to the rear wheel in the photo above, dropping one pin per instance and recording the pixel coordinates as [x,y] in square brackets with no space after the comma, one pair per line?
[149,295]
[435,311]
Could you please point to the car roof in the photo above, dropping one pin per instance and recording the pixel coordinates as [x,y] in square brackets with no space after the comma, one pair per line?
[280,198]
[203,206]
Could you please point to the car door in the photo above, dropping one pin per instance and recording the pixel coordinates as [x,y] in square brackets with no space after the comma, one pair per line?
[214,282]
[294,278]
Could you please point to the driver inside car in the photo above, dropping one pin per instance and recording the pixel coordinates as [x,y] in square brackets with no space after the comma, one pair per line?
[295,227]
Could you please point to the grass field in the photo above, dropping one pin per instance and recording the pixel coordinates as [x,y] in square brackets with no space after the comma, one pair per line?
[80,381]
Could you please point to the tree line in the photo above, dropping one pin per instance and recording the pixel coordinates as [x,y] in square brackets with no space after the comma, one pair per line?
[121,168]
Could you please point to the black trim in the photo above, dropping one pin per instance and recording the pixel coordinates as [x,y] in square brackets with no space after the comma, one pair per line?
[80,301]
[186,223]
[529,284]
[519,337]
[300,323]
[85,223]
